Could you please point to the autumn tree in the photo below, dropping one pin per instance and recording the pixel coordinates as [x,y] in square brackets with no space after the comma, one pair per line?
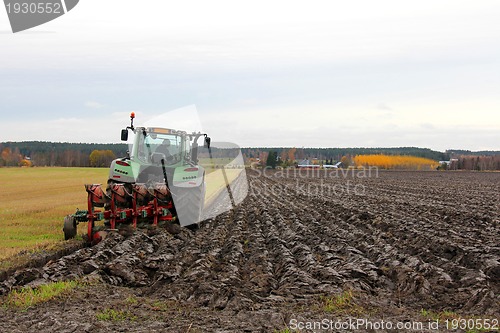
[346,161]
[396,162]
[284,155]
[25,163]
[291,154]
[263,157]
[10,157]
[101,158]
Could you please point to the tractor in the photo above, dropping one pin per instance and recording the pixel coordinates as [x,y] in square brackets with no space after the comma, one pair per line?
[159,182]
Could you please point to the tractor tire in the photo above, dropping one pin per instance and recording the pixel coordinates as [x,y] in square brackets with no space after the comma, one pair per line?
[189,203]
[69,228]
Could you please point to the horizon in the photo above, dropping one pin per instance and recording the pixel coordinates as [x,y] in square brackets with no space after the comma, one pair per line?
[272,147]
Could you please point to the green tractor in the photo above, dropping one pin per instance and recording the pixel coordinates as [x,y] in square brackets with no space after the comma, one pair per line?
[159,182]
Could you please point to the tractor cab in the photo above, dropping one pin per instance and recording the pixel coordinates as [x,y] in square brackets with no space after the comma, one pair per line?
[151,145]
[159,154]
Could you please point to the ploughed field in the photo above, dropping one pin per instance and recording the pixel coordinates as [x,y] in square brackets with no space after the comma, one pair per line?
[398,246]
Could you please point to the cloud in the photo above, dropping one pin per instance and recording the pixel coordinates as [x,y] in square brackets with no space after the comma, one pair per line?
[94,105]
[427,126]
[65,121]
[383,106]
[185,118]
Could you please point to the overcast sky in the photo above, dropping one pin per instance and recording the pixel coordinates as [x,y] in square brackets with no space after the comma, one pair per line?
[261,73]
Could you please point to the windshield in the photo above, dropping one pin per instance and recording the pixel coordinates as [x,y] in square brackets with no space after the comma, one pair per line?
[152,143]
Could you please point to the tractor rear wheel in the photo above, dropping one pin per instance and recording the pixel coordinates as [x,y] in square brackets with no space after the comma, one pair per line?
[189,204]
[69,228]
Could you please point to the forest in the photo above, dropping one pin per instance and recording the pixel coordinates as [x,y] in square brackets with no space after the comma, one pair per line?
[41,153]
[38,153]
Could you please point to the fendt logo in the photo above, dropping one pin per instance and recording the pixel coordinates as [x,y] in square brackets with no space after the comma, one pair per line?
[26,14]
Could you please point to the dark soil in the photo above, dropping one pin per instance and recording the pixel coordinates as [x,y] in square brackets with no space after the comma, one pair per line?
[397,243]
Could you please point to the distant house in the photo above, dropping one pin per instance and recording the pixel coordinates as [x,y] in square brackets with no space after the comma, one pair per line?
[254,162]
[306,164]
[332,166]
[451,164]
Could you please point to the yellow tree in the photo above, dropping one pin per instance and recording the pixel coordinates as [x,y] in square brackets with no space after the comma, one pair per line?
[346,161]
[101,158]
[291,154]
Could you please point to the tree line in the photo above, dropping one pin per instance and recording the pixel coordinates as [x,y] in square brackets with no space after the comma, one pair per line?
[405,157]
[42,153]
[38,153]
[336,154]
[473,162]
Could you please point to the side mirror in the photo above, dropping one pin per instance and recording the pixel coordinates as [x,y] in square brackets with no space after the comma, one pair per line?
[207,142]
[124,134]
[194,152]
